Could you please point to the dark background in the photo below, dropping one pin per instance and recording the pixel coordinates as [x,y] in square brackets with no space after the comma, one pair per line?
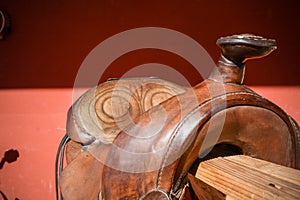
[49,39]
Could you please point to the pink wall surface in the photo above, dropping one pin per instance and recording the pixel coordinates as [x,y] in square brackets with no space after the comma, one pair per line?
[32,121]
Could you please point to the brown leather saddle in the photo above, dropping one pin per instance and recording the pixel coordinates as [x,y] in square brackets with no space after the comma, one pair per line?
[139,138]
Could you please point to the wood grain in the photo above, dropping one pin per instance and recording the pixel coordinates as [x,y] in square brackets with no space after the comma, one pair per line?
[243,177]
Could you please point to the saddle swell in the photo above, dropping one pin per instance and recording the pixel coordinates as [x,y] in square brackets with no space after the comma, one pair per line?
[140,138]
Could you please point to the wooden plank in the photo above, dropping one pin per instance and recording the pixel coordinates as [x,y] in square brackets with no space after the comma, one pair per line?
[243,177]
[282,172]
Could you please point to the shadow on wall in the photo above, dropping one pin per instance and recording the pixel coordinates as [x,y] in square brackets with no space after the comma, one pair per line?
[10,156]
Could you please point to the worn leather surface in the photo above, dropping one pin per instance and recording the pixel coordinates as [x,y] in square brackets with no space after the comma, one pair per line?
[160,160]
[103,111]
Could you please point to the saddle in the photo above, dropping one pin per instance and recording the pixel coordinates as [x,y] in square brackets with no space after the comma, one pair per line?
[140,138]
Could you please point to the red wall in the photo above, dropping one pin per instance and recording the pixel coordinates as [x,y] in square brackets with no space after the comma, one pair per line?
[49,40]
